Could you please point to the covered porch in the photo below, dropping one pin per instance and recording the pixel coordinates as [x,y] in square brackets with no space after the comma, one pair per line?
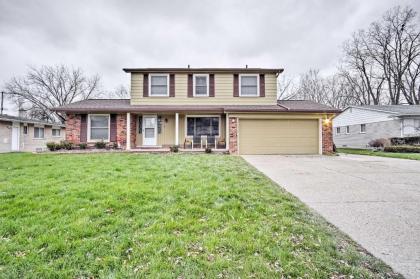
[190,131]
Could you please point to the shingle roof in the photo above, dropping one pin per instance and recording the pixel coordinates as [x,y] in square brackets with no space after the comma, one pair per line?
[6,117]
[123,105]
[395,109]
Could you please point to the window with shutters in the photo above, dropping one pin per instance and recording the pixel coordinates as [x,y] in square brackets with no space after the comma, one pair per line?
[98,127]
[201,85]
[159,85]
[38,132]
[249,85]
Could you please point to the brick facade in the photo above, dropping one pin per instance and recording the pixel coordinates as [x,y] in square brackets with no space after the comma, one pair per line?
[233,135]
[73,128]
[327,137]
[73,122]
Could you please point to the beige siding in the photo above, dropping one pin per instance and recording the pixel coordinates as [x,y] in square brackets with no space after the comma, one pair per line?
[278,136]
[223,92]
[5,136]
[29,143]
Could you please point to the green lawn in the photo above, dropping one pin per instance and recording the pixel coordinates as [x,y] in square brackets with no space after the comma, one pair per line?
[162,216]
[411,156]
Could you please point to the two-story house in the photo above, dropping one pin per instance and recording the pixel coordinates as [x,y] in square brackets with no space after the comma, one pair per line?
[232,109]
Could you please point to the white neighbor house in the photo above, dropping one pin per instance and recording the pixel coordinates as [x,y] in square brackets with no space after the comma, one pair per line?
[356,126]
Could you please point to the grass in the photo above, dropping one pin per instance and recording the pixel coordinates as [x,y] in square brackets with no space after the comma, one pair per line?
[411,156]
[162,216]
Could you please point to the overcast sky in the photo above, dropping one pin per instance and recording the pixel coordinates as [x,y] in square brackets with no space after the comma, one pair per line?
[104,36]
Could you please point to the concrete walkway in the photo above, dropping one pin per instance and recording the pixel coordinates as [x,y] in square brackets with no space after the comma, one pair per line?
[375,200]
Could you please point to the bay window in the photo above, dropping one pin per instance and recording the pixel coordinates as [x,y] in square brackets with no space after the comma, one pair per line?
[98,127]
[203,126]
[159,85]
[248,85]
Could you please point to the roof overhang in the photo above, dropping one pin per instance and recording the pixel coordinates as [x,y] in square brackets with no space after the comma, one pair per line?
[204,70]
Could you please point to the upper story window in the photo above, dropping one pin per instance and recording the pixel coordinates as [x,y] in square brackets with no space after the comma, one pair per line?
[337,130]
[249,85]
[38,132]
[159,85]
[201,85]
[98,127]
[362,128]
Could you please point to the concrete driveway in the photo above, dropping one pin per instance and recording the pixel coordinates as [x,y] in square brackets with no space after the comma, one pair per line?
[375,200]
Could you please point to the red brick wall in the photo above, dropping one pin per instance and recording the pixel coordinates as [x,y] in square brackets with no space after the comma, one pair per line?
[327,137]
[233,135]
[73,123]
[73,128]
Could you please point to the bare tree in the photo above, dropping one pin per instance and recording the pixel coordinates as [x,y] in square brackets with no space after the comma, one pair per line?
[286,88]
[120,92]
[50,86]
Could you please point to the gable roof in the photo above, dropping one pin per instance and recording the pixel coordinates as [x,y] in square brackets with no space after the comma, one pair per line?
[203,70]
[123,105]
[398,110]
[12,118]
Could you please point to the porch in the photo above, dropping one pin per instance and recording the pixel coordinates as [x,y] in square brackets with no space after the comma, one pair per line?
[194,132]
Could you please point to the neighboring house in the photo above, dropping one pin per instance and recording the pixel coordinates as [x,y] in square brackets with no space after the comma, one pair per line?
[22,134]
[232,109]
[356,126]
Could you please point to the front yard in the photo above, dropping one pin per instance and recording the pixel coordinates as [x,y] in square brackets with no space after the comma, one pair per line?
[162,216]
[411,156]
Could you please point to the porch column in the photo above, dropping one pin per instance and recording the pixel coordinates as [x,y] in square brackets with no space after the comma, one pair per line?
[176,128]
[227,134]
[128,133]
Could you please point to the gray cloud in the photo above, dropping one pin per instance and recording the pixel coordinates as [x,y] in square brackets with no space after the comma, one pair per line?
[104,36]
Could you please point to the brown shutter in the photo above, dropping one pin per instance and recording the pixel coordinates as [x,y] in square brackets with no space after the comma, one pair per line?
[172,85]
[113,128]
[235,85]
[145,85]
[83,128]
[262,85]
[211,85]
[190,86]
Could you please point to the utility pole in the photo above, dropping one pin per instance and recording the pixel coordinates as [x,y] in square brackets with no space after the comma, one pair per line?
[2,97]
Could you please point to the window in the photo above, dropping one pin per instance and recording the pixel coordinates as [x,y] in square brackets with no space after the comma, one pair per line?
[347,129]
[98,127]
[38,133]
[56,132]
[337,131]
[25,130]
[362,128]
[159,85]
[201,85]
[249,85]
[203,126]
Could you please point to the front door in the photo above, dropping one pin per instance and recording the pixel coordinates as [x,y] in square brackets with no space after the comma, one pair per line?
[15,138]
[149,130]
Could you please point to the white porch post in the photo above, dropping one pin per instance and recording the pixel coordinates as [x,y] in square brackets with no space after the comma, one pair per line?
[176,128]
[227,136]
[128,143]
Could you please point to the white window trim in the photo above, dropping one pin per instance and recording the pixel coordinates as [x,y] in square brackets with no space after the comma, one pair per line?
[194,116]
[347,130]
[258,85]
[150,85]
[207,76]
[59,129]
[39,126]
[361,129]
[88,128]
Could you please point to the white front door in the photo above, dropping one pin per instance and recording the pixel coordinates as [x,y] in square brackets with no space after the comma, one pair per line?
[15,138]
[149,129]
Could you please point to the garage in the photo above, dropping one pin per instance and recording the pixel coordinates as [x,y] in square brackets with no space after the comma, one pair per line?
[278,136]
